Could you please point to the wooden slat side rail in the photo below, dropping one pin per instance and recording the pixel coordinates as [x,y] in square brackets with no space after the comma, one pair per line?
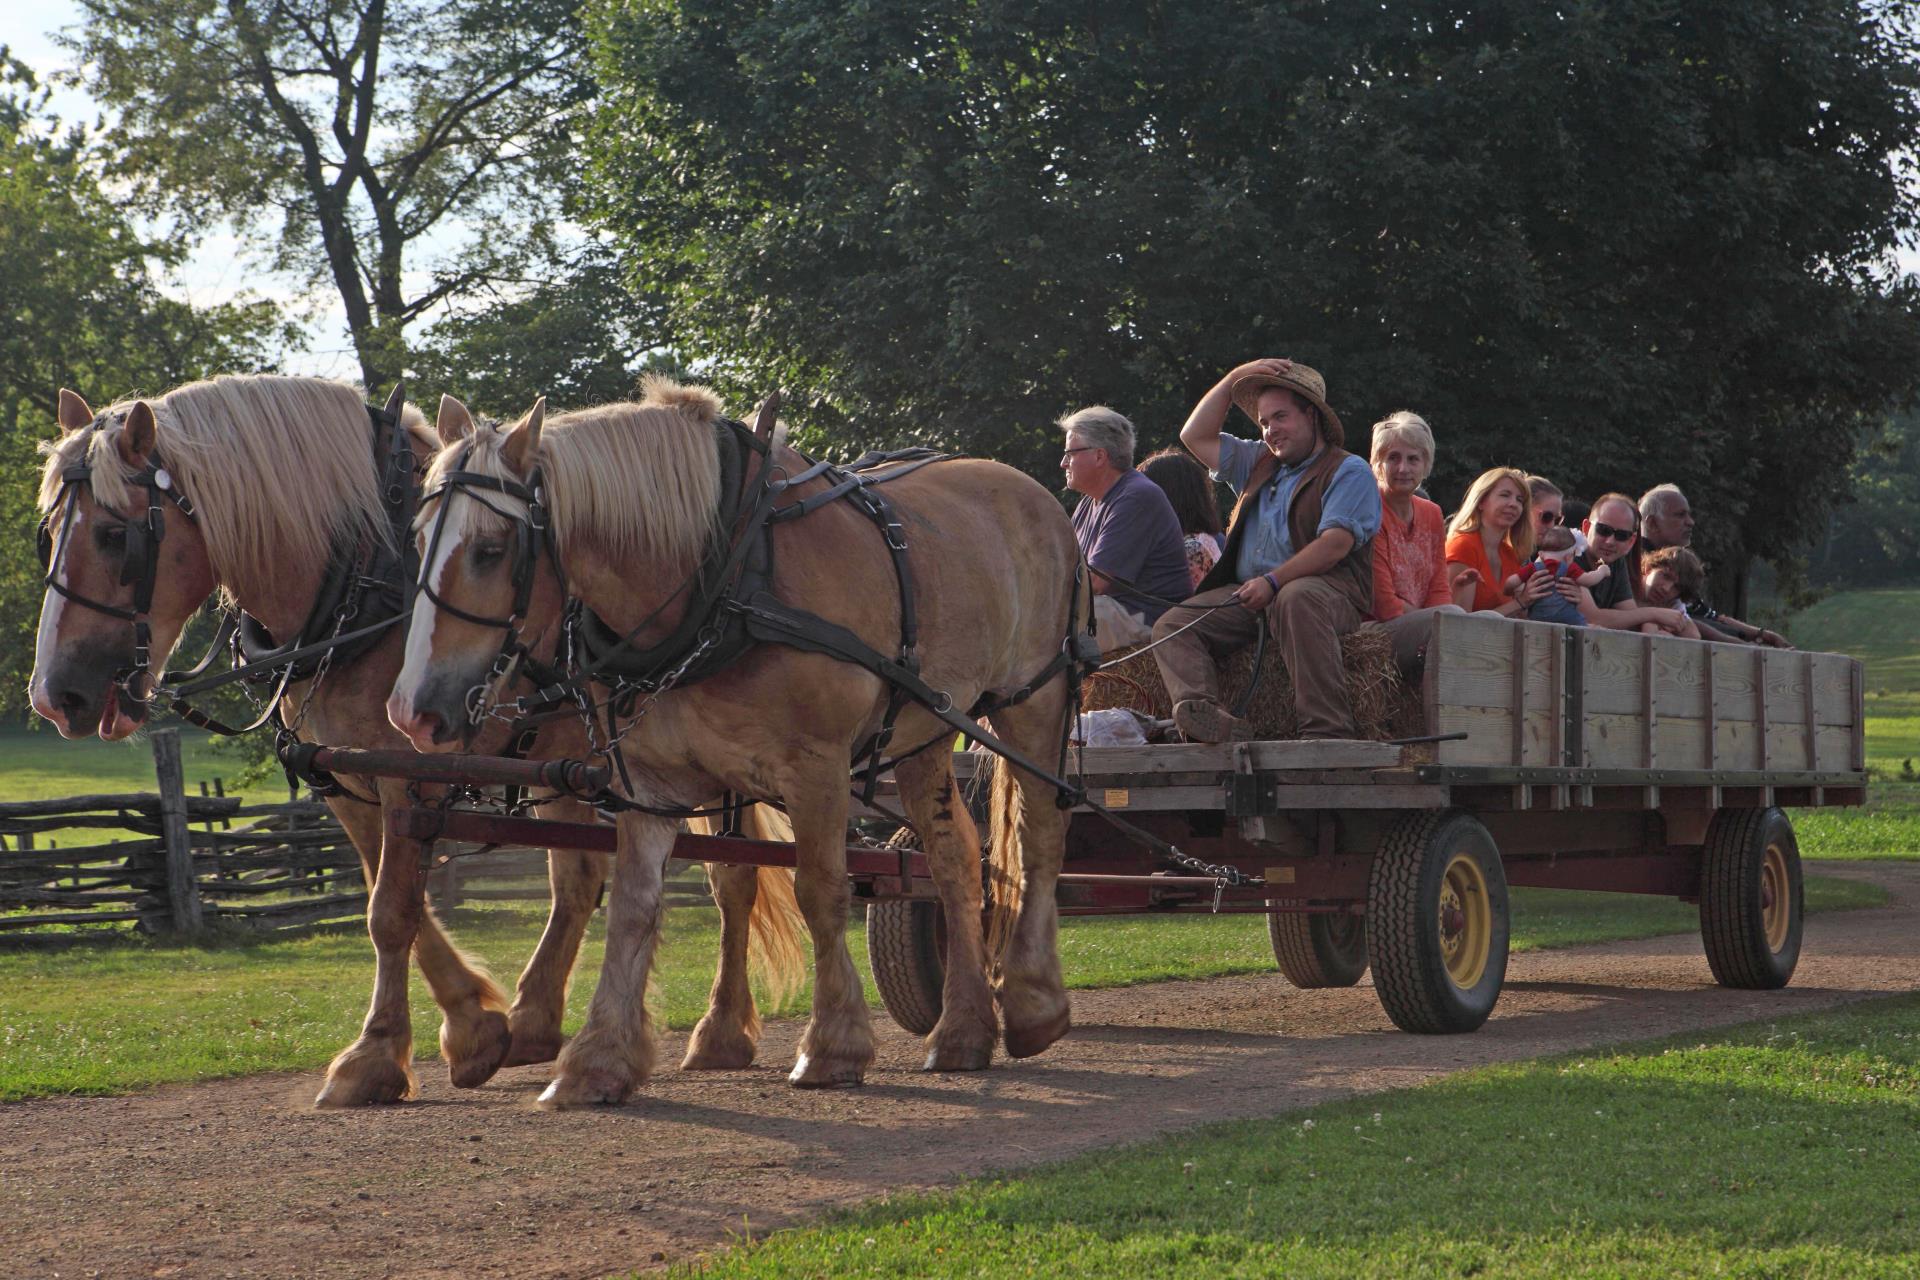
[1708,750]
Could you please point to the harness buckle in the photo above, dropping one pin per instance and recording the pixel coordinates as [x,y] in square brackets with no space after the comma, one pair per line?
[896,534]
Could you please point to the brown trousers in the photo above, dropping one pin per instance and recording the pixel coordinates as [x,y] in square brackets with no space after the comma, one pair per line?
[1306,620]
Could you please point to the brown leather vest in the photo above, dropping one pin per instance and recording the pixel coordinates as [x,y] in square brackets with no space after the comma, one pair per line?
[1353,575]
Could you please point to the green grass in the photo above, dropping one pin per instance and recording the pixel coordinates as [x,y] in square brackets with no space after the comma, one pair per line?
[1776,1149]
[1882,628]
[109,1018]
[38,764]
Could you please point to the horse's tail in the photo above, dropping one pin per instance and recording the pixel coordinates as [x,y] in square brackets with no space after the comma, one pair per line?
[1004,874]
[776,947]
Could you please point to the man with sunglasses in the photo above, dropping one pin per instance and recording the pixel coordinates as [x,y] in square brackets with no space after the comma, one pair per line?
[1612,527]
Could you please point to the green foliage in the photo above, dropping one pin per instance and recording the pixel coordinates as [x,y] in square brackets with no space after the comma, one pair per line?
[1874,540]
[1781,1148]
[1616,243]
[578,338]
[366,128]
[80,293]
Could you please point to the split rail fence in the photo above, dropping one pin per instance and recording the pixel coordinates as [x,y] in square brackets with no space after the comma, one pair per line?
[195,862]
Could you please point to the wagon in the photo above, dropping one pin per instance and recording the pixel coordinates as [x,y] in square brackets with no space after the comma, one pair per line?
[1558,757]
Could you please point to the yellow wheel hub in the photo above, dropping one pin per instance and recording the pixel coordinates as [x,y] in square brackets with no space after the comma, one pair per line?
[1465,921]
[1776,898]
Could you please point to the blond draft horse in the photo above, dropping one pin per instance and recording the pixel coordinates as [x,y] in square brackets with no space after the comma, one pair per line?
[278,468]
[634,495]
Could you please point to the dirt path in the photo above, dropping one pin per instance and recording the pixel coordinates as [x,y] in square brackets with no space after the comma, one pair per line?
[242,1178]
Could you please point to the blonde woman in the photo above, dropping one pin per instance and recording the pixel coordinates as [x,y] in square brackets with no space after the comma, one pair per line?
[1488,541]
[1409,553]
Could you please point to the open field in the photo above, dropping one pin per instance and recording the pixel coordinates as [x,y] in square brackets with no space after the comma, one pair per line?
[111,1018]
[38,764]
[1777,1148]
[1882,628]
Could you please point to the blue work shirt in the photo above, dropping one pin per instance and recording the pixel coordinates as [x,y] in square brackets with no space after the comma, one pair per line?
[1352,503]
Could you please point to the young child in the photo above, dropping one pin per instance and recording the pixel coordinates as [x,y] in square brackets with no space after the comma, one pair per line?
[1673,576]
[1558,554]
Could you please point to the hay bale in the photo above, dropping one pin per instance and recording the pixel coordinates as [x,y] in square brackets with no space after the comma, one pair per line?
[1382,701]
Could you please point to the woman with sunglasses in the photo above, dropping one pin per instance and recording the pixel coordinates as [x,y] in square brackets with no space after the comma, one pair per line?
[1490,538]
[1549,505]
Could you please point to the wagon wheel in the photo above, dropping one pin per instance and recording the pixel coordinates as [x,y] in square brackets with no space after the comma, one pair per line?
[1751,899]
[1319,950]
[1437,922]
[907,951]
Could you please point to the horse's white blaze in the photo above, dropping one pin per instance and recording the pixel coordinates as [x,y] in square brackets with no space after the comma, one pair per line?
[51,608]
[419,653]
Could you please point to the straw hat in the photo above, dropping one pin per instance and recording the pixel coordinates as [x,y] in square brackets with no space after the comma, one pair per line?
[1300,378]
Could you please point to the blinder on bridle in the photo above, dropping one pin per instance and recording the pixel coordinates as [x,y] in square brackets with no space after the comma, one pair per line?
[140,559]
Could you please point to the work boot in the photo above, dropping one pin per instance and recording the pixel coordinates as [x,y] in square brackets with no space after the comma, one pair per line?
[1205,721]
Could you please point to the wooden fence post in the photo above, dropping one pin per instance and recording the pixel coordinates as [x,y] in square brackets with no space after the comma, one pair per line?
[183,895]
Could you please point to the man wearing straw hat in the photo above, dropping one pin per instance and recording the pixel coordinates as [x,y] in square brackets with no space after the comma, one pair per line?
[1299,550]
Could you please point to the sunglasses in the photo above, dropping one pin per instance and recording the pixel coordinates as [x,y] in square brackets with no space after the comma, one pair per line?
[1548,517]
[1079,448]
[1608,531]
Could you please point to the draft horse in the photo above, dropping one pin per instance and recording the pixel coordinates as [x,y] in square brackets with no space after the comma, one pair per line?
[631,497]
[263,487]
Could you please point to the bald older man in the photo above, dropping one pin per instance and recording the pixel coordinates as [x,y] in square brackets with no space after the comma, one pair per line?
[1666,520]
[1126,526]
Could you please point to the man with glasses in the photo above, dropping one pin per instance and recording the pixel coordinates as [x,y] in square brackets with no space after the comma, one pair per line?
[1126,528]
[1612,527]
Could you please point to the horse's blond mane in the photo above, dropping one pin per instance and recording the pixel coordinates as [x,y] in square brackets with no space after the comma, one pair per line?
[634,480]
[276,467]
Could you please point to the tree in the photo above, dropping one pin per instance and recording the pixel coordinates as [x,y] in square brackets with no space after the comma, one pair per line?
[1616,243]
[1874,540]
[80,306]
[371,128]
[579,339]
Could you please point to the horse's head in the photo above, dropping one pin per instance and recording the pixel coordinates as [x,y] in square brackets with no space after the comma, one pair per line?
[487,582]
[122,555]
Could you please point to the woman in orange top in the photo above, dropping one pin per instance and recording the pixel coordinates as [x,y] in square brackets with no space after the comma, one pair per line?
[1488,541]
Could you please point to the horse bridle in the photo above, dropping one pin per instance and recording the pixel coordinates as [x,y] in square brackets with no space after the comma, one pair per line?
[140,563]
[533,533]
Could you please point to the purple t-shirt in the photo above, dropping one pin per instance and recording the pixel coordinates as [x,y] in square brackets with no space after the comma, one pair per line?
[1132,533]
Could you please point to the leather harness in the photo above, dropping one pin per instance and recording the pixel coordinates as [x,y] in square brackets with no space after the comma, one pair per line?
[367,583]
[731,606]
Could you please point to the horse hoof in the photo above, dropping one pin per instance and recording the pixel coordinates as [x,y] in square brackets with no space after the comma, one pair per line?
[1025,1041]
[472,1058]
[959,1058]
[826,1073]
[594,1089]
[718,1053]
[537,1047]
[363,1082]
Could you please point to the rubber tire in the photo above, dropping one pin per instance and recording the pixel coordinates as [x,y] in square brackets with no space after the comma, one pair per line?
[1732,910]
[904,947]
[1318,951]
[1403,935]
